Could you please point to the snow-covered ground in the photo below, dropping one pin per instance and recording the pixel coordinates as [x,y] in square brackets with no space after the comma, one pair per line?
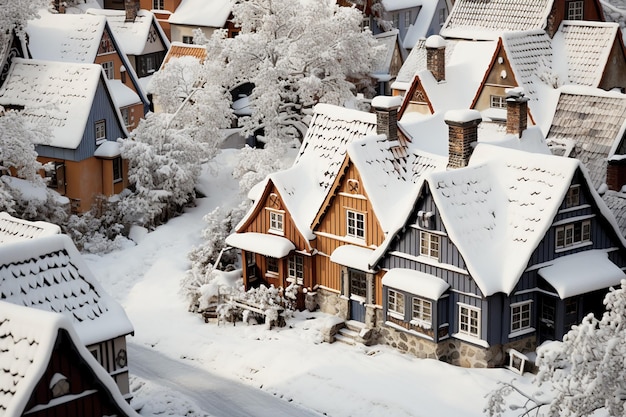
[291,362]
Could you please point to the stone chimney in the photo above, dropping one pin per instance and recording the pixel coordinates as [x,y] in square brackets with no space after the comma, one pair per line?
[387,115]
[463,132]
[436,57]
[616,174]
[131,7]
[516,111]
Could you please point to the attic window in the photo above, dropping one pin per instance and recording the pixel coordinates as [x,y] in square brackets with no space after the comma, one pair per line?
[572,199]
[573,234]
[575,10]
[100,131]
[59,385]
[497,102]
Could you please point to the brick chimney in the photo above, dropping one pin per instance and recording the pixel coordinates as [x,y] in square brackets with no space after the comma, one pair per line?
[616,174]
[436,57]
[463,132]
[387,115]
[516,111]
[131,7]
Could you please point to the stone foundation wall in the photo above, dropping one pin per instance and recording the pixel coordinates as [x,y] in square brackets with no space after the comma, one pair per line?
[332,303]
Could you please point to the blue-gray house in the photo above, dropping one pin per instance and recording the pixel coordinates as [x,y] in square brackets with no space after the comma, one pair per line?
[502,254]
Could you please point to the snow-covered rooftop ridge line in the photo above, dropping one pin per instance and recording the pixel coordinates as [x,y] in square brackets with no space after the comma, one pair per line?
[13,229]
[49,273]
[208,13]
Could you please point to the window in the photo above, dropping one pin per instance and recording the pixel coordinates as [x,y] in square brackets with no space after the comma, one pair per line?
[429,244]
[272,265]
[358,283]
[395,18]
[469,320]
[158,5]
[188,39]
[276,221]
[108,69]
[356,224]
[573,234]
[497,102]
[520,316]
[296,269]
[422,310]
[117,169]
[147,64]
[101,131]
[395,302]
[571,306]
[125,116]
[575,10]
[572,199]
[408,21]
[442,17]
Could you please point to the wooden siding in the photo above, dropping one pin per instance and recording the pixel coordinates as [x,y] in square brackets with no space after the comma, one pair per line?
[109,354]
[615,73]
[592,11]
[66,360]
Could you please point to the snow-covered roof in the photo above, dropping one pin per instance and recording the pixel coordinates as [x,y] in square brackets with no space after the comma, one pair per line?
[393,5]
[497,210]
[482,20]
[48,273]
[388,40]
[59,94]
[616,202]
[415,282]
[65,37]
[570,275]
[123,95]
[179,49]
[352,256]
[265,244]
[466,64]
[13,229]
[132,36]
[205,13]
[26,346]
[615,11]
[419,28]
[108,149]
[599,118]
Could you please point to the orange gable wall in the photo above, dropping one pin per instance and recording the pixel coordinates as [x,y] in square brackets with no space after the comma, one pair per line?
[333,222]
[494,83]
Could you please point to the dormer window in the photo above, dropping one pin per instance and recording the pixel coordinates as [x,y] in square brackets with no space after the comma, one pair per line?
[572,199]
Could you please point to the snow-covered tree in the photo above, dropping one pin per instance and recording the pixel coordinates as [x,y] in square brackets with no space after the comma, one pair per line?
[15,14]
[296,53]
[585,373]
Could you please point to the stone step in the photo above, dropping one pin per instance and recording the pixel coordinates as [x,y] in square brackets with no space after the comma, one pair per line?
[344,331]
[344,339]
[354,325]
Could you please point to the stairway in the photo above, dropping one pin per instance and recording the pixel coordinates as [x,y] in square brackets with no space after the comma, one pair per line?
[349,334]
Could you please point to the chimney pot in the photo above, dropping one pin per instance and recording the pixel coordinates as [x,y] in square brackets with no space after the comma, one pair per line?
[387,115]
[436,56]
[463,132]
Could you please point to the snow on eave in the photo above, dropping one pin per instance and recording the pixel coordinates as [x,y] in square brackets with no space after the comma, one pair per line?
[394,5]
[205,13]
[12,228]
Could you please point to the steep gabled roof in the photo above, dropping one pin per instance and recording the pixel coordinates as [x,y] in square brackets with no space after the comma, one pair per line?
[593,121]
[388,40]
[179,50]
[49,274]
[13,229]
[132,36]
[498,209]
[204,13]
[482,20]
[27,340]
[586,46]
[58,94]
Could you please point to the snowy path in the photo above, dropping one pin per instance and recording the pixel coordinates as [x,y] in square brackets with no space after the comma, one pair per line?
[214,395]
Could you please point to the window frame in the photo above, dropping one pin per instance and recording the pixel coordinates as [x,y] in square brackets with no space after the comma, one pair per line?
[187,40]
[355,224]
[295,269]
[572,234]
[408,19]
[521,316]
[100,131]
[395,303]
[271,265]
[427,239]
[422,317]
[118,169]
[109,69]
[497,102]
[575,10]
[572,198]
[277,221]
[469,320]
[160,4]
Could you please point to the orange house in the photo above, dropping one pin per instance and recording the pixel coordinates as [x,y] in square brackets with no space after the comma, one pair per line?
[278,246]
[75,101]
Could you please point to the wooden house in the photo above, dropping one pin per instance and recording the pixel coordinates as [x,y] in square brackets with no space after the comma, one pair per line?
[51,373]
[388,63]
[587,54]
[275,237]
[140,37]
[488,20]
[47,273]
[502,254]
[361,207]
[76,102]
[89,39]
[162,10]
